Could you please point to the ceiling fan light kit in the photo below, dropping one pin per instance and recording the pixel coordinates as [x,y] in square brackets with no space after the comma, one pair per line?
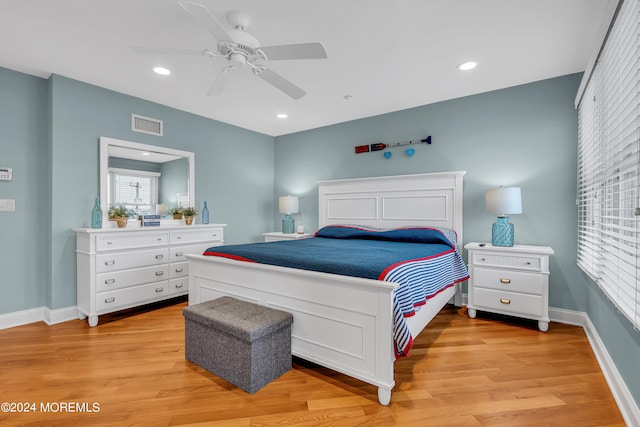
[242,49]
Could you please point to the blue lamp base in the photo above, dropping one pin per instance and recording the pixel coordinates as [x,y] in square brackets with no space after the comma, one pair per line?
[288,224]
[502,232]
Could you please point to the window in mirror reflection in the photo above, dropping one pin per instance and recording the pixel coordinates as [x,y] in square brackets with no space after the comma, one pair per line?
[135,190]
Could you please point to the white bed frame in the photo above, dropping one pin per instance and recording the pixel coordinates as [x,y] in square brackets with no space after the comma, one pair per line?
[340,322]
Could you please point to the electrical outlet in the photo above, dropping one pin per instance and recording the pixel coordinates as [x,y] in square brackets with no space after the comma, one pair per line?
[7,205]
[6,174]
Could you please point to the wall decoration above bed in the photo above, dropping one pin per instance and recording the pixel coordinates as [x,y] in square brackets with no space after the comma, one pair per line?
[387,154]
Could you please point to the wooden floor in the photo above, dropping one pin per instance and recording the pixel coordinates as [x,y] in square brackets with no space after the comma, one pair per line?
[130,370]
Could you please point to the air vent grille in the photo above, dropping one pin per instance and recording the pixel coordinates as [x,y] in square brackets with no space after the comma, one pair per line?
[146,125]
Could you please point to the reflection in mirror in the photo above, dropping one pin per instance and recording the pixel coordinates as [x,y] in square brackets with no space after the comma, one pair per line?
[146,179]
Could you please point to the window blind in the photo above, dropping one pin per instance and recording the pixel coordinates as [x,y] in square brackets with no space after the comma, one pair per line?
[136,190]
[609,165]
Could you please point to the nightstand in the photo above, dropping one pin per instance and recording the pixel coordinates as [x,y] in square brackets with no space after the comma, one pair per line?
[510,280]
[277,235]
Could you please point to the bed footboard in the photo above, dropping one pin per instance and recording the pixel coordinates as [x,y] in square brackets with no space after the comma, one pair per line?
[342,323]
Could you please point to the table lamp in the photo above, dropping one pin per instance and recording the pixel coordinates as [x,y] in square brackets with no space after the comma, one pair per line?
[503,201]
[288,206]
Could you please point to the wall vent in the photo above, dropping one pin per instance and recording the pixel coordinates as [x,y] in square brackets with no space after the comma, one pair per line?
[146,125]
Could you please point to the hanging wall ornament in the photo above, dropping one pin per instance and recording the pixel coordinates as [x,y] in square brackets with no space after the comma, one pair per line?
[380,146]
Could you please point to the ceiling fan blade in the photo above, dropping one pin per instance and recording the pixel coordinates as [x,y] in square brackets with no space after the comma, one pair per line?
[295,51]
[206,19]
[166,51]
[221,81]
[281,83]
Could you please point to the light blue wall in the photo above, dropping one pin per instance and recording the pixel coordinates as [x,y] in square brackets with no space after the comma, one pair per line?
[23,147]
[49,134]
[522,136]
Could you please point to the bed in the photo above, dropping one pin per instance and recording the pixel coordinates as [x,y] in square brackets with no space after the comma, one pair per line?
[343,322]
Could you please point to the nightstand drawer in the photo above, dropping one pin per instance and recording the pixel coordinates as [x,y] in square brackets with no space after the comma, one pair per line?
[522,262]
[507,280]
[508,302]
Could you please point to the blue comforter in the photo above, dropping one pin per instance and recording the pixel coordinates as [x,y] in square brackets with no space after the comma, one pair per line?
[423,261]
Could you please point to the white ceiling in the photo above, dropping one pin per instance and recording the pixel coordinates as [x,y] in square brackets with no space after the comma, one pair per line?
[388,55]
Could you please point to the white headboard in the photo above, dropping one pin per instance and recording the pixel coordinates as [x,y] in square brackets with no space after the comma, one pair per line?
[429,199]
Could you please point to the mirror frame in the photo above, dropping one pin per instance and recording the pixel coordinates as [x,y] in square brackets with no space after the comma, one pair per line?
[106,142]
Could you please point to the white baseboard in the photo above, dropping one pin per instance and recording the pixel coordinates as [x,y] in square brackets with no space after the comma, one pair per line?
[40,314]
[51,317]
[626,404]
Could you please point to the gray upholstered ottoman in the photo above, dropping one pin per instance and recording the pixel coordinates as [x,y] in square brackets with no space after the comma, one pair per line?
[246,344]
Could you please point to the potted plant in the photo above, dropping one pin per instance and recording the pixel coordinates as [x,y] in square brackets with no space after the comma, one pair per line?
[189,213]
[176,212]
[120,214]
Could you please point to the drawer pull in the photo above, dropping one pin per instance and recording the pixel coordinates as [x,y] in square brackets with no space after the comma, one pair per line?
[109,300]
[159,273]
[178,253]
[528,262]
[178,237]
[110,281]
[159,239]
[505,301]
[109,243]
[158,290]
[159,256]
[482,259]
[110,262]
[179,270]
[505,281]
[179,285]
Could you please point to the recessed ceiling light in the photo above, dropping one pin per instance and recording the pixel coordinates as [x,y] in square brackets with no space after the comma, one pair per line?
[145,153]
[466,66]
[162,71]
[282,115]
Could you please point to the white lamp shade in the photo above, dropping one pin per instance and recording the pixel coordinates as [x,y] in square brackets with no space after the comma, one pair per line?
[503,201]
[288,204]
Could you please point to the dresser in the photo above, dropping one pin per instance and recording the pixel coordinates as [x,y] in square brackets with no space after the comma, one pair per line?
[509,280]
[124,268]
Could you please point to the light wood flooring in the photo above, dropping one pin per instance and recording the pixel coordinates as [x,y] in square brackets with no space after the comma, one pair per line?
[130,371]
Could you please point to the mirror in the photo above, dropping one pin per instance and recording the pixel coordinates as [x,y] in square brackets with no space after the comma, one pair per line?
[174,170]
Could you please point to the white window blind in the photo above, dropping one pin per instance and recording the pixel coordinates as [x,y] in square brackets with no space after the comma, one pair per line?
[136,190]
[609,166]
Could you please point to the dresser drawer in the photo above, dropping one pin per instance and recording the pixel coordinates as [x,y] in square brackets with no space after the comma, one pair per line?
[524,305]
[196,235]
[125,260]
[178,253]
[179,286]
[520,262]
[178,269]
[116,242]
[136,276]
[128,297]
[509,280]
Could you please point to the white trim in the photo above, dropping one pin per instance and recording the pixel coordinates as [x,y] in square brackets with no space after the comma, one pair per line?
[628,407]
[567,317]
[19,318]
[60,315]
[39,314]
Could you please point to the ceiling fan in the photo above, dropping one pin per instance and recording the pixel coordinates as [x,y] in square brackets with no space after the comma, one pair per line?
[241,49]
